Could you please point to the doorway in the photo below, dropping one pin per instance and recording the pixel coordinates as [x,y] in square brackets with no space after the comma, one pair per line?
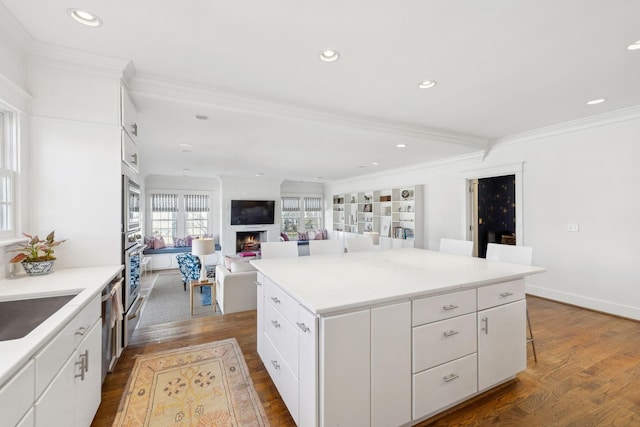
[494,207]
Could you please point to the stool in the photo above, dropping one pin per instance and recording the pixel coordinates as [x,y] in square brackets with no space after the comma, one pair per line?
[145,264]
[197,283]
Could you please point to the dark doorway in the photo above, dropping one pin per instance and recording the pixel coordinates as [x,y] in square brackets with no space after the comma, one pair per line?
[496,212]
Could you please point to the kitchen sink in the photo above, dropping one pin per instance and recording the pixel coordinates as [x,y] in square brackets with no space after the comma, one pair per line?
[19,317]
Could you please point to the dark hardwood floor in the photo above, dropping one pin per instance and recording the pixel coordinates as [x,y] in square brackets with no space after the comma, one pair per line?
[587,374]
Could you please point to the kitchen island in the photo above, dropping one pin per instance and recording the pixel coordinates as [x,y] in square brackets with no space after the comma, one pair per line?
[388,338]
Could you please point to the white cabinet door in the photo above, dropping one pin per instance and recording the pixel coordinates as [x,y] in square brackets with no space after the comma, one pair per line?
[88,388]
[502,351]
[129,119]
[16,396]
[73,396]
[260,314]
[391,365]
[307,367]
[345,370]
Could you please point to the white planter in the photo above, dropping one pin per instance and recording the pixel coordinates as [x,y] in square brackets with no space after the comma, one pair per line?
[37,268]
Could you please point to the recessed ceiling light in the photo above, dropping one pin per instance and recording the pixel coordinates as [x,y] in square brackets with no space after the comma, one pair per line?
[259,174]
[375,163]
[634,46]
[427,84]
[329,55]
[401,145]
[84,17]
[184,144]
[596,101]
[200,117]
[317,178]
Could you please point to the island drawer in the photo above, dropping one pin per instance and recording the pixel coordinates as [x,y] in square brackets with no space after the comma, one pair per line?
[283,335]
[281,301]
[440,307]
[444,385]
[501,293]
[440,342]
[282,376]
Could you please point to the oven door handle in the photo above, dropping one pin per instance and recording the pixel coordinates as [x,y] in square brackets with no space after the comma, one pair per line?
[136,310]
[135,251]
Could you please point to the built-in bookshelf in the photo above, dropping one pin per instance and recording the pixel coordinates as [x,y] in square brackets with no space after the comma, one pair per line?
[397,214]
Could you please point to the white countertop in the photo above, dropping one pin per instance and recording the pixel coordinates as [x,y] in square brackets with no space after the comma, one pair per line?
[327,284]
[86,282]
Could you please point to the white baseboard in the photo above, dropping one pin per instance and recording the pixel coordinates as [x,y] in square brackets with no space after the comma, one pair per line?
[581,301]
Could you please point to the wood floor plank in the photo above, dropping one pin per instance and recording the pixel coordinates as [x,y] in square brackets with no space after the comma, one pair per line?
[587,374]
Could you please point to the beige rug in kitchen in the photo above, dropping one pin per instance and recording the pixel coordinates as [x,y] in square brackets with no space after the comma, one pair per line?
[196,386]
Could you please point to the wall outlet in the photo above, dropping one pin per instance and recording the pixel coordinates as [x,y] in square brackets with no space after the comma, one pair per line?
[573,228]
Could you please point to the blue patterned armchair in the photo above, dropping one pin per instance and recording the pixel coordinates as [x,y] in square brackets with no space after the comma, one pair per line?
[189,266]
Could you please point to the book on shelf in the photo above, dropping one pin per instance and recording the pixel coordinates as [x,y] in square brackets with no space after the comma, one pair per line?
[408,233]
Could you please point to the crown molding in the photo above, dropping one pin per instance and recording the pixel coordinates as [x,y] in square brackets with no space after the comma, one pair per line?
[604,119]
[151,87]
[448,162]
[13,31]
[13,95]
[71,58]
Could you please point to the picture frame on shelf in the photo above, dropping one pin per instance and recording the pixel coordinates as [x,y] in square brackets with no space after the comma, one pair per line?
[385,227]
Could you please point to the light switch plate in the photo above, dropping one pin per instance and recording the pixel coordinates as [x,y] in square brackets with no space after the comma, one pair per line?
[573,228]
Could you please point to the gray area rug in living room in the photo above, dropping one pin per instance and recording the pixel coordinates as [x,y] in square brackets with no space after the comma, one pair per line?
[169,302]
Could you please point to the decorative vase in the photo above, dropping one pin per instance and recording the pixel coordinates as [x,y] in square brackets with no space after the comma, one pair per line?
[37,268]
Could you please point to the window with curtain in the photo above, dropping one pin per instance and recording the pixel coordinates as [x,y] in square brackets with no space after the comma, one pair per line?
[313,213]
[196,207]
[301,213]
[291,216]
[164,216]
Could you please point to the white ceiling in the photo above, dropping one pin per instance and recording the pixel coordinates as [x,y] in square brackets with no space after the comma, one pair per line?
[503,67]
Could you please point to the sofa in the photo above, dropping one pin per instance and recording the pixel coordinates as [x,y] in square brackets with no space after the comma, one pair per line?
[236,286]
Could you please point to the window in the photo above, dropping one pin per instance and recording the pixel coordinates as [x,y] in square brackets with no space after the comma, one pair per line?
[306,210]
[175,215]
[8,148]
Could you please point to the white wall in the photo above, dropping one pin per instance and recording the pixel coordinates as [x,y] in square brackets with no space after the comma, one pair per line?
[246,188]
[584,177]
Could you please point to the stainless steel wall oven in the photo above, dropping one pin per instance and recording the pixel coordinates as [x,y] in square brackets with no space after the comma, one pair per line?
[132,247]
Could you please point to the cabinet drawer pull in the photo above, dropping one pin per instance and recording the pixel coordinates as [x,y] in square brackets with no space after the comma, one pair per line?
[485,328]
[450,377]
[84,365]
[257,283]
[134,129]
[302,326]
[450,307]
[275,323]
[275,364]
[450,333]
[275,299]
[81,330]
[506,294]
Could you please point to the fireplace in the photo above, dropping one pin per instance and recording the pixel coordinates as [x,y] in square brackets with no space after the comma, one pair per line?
[249,241]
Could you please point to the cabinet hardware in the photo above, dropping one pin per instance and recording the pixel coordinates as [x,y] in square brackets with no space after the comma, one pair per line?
[485,328]
[257,283]
[81,330]
[506,294]
[276,300]
[450,333]
[450,307]
[84,365]
[134,129]
[134,159]
[450,377]
[275,364]
[302,326]
[275,323]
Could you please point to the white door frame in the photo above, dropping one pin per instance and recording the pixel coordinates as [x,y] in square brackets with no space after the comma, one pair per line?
[489,172]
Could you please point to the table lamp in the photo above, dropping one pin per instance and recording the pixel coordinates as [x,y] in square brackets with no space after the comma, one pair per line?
[201,248]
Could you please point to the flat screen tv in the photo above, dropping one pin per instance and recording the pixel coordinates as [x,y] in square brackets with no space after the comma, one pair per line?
[252,212]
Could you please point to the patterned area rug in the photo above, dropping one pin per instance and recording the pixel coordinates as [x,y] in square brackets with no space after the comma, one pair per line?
[196,386]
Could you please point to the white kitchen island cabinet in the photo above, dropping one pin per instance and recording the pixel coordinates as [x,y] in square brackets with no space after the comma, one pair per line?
[388,338]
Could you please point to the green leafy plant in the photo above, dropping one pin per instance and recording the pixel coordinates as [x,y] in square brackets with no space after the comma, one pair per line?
[37,250]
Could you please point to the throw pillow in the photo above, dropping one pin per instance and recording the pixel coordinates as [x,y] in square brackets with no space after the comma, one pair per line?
[150,242]
[325,234]
[180,242]
[319,235]
[303,236]
[284,236]
[159,243]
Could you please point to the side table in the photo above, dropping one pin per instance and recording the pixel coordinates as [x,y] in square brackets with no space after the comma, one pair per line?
[196,283]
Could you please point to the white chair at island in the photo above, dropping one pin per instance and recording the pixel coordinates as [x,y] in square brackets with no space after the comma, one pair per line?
[288,249]
[516,255]
[360,244]
[320,247]
[456,247]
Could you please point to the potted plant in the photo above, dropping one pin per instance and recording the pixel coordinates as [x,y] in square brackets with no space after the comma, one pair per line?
[36,256]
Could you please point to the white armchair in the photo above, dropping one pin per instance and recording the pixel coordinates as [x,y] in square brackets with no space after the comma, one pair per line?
[236,289]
